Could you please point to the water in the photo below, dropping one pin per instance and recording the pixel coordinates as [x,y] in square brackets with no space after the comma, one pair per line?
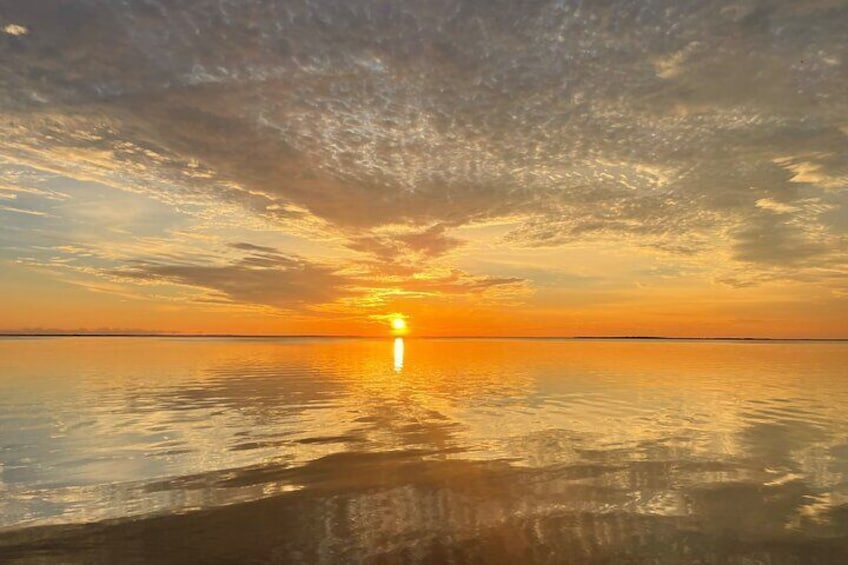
[321,450]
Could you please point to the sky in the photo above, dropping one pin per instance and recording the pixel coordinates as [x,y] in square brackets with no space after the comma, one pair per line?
[490,167]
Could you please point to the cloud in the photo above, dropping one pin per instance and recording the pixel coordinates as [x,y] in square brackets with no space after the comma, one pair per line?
[770,239]
[459,282]
[825,170]
[685,128]
[15,29]
[22,210]
[775,206]
[430,243]
[264,276]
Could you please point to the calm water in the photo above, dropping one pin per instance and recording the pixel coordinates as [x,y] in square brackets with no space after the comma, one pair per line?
[299,450]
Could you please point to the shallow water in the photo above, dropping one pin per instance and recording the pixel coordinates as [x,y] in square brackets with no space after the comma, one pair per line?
[351,450]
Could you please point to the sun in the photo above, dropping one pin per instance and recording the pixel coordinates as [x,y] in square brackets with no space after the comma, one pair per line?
[398,325]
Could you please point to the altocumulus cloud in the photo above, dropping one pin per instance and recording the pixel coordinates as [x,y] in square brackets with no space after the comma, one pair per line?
[667,123]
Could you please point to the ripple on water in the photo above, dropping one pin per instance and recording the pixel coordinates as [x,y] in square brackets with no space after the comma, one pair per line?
[569,446]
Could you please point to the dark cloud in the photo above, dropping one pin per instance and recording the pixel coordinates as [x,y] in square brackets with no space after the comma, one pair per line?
[431,242]
[426,244]
[260,249]
[769,239]
[266,277]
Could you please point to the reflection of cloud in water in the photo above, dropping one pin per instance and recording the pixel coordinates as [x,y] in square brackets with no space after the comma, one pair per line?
[414,507]
[484,449]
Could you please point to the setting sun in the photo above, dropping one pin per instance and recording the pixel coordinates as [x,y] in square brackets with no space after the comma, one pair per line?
[398,325]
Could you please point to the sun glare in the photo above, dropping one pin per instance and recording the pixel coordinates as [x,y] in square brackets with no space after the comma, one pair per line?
[398,325]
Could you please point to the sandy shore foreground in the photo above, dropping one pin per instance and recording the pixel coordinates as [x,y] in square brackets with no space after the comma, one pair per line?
[419,507]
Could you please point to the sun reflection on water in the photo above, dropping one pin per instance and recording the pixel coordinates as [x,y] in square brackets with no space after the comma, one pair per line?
[398,354]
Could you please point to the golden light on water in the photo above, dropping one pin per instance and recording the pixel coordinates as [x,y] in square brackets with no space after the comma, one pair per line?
[398,354]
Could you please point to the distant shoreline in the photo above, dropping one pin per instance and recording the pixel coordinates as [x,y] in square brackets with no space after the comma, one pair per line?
[470,337]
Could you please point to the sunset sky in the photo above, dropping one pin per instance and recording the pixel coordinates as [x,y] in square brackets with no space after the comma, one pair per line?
[538,168]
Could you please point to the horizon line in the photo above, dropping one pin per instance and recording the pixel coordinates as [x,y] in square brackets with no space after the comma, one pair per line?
[362,336]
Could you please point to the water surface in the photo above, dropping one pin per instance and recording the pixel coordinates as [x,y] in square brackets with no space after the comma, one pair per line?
[346,450]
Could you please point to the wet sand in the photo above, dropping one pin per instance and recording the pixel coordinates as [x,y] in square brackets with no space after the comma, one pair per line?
[416,507]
